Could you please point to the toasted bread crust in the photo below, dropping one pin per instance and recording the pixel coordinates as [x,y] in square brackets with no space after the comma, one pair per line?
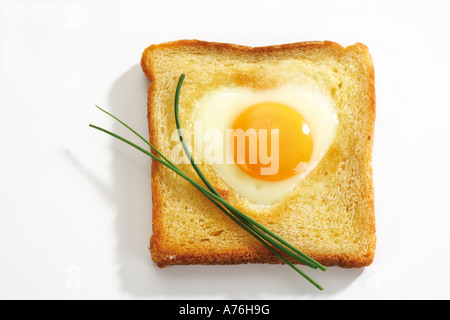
[164,254]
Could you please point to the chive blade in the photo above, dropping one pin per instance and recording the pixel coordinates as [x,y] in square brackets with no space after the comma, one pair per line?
[242,222]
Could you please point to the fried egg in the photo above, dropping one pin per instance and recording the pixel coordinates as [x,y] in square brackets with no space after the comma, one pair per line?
[263,142]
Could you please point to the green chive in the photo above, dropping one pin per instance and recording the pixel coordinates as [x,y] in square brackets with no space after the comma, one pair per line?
[265,236]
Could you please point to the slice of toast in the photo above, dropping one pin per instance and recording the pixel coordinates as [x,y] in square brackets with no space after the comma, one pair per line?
[329,215]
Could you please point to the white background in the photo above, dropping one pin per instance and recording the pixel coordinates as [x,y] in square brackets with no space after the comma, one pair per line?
[75,204]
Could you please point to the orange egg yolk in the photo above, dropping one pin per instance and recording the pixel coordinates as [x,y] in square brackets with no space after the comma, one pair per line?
[295,143]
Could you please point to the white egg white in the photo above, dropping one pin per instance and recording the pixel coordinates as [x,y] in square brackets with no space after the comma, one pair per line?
[217,111]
